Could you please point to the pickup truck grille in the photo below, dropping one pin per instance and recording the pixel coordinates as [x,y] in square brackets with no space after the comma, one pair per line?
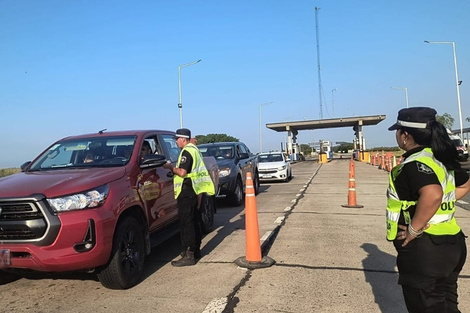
[26,220]
[17,212]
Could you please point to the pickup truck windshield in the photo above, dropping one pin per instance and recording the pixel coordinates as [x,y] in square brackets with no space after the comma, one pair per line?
[87,152]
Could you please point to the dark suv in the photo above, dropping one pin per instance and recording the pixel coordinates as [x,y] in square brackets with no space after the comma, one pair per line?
[234,160]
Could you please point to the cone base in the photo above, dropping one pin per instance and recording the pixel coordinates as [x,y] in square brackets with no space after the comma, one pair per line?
[352,206]
[265,262]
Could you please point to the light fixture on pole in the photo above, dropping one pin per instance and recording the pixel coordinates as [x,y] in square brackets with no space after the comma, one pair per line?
[457,82]
[406,93]
[180,103]
[260,130]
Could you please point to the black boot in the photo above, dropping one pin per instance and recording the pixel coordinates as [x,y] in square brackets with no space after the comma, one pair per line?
[186,260]
[197,254]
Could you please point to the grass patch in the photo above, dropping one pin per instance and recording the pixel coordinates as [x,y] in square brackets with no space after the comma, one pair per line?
[8,171]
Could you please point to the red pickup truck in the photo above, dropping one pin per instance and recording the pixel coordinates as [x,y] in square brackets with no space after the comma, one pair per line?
[94,203]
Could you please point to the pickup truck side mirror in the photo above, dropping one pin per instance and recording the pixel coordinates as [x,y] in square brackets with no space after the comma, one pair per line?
[24,165]
[244,156]
[151,160]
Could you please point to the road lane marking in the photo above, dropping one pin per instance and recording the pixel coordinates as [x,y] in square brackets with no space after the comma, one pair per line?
[266,236]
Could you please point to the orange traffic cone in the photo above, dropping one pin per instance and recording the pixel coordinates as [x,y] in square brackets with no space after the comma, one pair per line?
[253,257]
[352,203]
[382,166]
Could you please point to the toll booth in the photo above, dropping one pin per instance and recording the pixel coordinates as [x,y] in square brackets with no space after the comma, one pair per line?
[325,147]
[292,150]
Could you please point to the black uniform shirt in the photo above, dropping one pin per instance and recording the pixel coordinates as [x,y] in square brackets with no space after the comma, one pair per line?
[415,175]
[187,164]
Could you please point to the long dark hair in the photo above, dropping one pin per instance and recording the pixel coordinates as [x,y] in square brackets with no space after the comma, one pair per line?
[436,137]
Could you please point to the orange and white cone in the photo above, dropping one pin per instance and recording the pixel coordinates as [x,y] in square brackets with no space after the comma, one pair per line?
[253,258]
[352,203]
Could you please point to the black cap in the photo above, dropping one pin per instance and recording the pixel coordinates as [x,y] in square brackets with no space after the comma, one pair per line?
[183,133]
[417,117]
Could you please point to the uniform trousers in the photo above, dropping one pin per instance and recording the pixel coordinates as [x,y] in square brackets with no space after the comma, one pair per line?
[428,270]
[190,228]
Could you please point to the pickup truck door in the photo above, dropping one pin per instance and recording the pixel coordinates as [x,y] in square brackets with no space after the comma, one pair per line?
[156,190]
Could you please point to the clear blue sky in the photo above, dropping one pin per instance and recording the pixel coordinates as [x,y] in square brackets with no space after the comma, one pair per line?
[73,67]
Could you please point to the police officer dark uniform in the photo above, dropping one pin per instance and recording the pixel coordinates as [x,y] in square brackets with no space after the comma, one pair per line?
[191,179]
[421,198]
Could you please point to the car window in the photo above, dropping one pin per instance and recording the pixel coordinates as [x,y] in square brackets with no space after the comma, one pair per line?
[170,146]
[262,158]
[218,152]
[270,158]
[243,149]
[224,152]
[89,152]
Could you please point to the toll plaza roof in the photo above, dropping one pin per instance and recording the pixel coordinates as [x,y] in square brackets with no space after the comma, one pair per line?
[326,123]
[464,130]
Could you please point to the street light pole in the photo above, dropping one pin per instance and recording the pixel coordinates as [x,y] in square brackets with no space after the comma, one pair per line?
[180,103]
[260,130]
[457,82]
[406,93]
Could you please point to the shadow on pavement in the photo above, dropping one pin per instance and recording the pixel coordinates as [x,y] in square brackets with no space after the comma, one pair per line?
[171,248]
[380,273]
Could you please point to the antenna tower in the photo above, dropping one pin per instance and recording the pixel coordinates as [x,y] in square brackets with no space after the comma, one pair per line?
[318,62]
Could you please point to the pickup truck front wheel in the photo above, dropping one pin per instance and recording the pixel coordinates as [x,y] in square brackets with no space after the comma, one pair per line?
[207,210]
[237,197]
[127,258]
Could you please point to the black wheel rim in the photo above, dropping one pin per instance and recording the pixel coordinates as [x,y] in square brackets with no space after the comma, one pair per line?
[130,253]
[238,192]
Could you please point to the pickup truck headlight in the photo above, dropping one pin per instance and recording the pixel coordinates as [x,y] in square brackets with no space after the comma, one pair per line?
[280,168]
[224,172]
[88,199]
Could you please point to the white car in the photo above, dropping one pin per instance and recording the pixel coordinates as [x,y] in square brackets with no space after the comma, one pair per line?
[274,166]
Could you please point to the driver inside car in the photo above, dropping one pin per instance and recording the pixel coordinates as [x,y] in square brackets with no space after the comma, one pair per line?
[89,157]
[145,150]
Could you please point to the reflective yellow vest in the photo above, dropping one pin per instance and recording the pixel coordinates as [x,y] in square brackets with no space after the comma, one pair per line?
[200,178]
[443,222]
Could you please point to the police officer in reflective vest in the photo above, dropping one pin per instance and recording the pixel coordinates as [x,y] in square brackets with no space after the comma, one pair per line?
[191,179]
[421,196]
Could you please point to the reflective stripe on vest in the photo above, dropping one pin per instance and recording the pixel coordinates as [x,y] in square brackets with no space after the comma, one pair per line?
[443,222]
[200,178]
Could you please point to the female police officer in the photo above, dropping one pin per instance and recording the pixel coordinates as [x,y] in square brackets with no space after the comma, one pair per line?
[420,212]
